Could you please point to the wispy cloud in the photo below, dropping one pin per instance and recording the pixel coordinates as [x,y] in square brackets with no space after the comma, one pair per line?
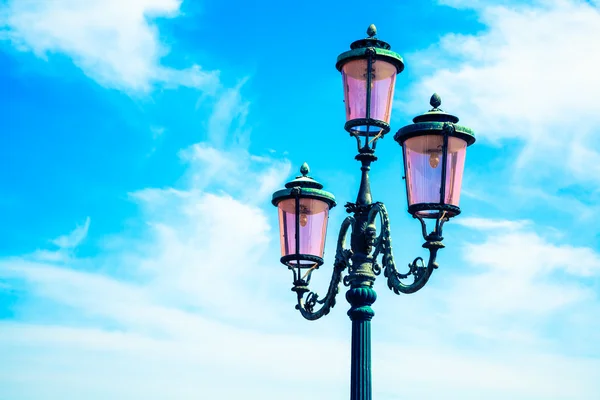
[66,245]
[517,277]
[183,294]
[194,301]
[228,119]
[74,238]
[148,329]
[490,224]
[519,78]
[113,42]
[234,169]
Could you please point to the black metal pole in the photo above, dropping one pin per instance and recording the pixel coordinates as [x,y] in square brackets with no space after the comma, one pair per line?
[366,157]
[360,313]
[361,277]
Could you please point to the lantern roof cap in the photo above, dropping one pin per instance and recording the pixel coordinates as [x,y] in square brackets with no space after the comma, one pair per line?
[361,48]
[308,188]
[434,122]
[371,40]
[436,114]
[304,180]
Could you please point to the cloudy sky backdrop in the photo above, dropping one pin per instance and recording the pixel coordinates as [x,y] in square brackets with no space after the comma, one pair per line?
[140,142]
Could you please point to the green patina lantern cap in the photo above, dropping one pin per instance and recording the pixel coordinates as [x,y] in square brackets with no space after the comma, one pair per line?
[359,49]
[309,188]
[434,121]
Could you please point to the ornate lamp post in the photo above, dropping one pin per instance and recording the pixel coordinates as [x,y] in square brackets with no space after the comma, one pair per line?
[434,148]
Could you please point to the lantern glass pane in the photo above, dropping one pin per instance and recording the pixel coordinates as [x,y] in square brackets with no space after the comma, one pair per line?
[423,164]
[312,227]
[383,79]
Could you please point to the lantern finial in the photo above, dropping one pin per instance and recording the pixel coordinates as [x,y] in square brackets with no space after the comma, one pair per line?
[435,101]
[372,30]
[304,170]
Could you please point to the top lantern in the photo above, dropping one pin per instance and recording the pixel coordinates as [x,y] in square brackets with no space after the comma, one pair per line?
[369,72]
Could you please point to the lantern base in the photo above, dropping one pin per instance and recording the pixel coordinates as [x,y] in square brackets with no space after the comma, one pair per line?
[302,261]
[433,210]
[367,127]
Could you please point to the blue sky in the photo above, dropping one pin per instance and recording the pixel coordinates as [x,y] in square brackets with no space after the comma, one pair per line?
[141,141]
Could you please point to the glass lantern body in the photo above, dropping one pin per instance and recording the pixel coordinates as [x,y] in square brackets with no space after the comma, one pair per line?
[355,76]
[312,228]
[423,158]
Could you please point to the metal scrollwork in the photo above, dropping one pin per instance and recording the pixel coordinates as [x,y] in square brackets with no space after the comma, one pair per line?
[418,269]
[342,261]
[312,307]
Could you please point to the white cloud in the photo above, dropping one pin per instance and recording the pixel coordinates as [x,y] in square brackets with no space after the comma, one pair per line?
[66,245]
[198,263]
[113,42]
[462,373]
[517,283]
[211,359]
[530,254]
[74,238]
[232,171]
[489,224]
[530,75]
[511,290]
[200,291]
[194,304]
[228,118]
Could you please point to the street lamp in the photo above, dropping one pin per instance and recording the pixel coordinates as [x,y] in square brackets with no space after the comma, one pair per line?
[434,149]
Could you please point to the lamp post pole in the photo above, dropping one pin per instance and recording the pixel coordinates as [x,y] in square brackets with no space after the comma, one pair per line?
[434,149]
[361,294]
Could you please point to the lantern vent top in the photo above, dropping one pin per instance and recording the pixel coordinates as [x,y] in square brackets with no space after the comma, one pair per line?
[304,169]
[435,101]
[372,30]
[436,114]
[370,41]
[304,180]
[435,121]
[309,188]
[360,49]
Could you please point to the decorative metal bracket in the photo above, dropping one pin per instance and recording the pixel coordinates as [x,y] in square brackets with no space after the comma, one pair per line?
[342,261]
[418,269]
[382,245]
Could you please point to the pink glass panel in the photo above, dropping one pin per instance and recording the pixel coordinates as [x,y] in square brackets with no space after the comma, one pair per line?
[423,159]
[313,227]
[354,76]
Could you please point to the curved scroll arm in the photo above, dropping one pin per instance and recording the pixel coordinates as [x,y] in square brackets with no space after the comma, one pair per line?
[418,269]
[342,260]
